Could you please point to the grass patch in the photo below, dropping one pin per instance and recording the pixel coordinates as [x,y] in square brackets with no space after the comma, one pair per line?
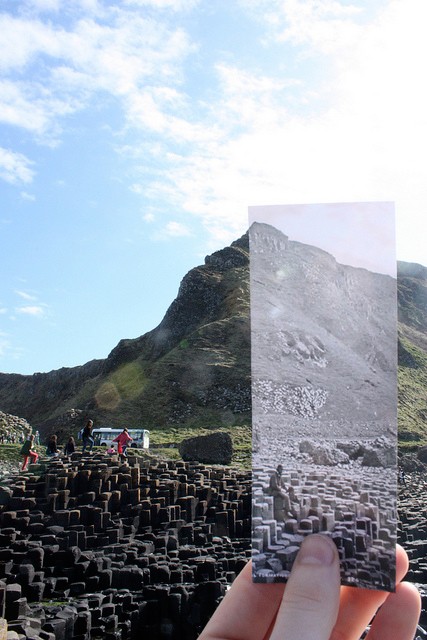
[10,453]
[164,442]
[412,409]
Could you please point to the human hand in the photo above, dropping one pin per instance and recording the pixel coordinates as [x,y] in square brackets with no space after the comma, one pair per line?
[313,606]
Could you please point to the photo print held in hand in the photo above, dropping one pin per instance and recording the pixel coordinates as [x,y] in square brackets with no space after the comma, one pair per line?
[324,387]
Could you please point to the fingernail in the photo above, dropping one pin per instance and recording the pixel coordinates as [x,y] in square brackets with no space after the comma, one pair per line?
[316,550]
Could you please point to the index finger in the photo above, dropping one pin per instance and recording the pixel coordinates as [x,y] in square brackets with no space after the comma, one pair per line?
[247,611]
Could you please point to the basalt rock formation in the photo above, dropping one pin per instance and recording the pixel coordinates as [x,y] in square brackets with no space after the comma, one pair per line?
[96,547]
[194,368]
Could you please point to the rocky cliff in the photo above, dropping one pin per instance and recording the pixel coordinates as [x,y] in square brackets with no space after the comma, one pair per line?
[323,340]
[194,368]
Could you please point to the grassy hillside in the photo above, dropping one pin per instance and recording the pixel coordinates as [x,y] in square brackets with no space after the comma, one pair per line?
[412,299]
[412,377]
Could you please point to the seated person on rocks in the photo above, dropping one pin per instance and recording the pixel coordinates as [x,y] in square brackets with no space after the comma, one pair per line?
[284,499]
[70,446]
[28,452]
[52,447]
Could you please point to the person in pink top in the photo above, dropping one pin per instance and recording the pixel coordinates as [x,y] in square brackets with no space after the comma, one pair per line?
[123,440]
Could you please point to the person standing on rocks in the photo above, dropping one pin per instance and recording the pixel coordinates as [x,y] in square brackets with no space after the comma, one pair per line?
[28,452]
[123,440]
[87,438]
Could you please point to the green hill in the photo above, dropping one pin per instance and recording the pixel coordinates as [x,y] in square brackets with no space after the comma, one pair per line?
[193,370]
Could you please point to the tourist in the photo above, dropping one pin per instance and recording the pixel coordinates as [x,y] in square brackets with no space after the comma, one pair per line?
[37,438]
[277,486]
[87,438]
[52,447]
[123,440]
[312,606]
[28,452]
[286,503]
[70,447]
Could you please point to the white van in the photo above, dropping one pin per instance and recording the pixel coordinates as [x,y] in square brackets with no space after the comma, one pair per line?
[103,437]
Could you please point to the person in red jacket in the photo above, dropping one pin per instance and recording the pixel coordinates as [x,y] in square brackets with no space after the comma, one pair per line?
[123,440]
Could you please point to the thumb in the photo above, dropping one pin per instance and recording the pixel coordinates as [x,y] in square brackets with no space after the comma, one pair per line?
[309,607]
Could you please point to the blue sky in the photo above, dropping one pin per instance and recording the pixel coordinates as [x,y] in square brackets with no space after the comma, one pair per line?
[135,134]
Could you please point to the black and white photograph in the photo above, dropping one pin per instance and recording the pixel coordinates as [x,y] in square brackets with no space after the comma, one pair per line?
[324,387]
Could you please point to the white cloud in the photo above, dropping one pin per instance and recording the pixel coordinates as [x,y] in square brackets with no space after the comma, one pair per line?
[174,5]
[15,167]
[136,188]
[340,116]
[4,344]
[25,295]
[177,229]
[7,349]
[34,108]
[324,25]
[49,72]
[27,196]
[44,5]
[36,311]
[171,230]
[115,55]
[357,131]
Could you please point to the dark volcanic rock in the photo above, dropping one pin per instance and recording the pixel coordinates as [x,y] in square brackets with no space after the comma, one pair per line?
[120,550]
[214,448]
[422,454]
[410,463]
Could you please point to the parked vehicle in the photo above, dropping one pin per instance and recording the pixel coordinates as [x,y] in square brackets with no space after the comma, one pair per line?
[104,437]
